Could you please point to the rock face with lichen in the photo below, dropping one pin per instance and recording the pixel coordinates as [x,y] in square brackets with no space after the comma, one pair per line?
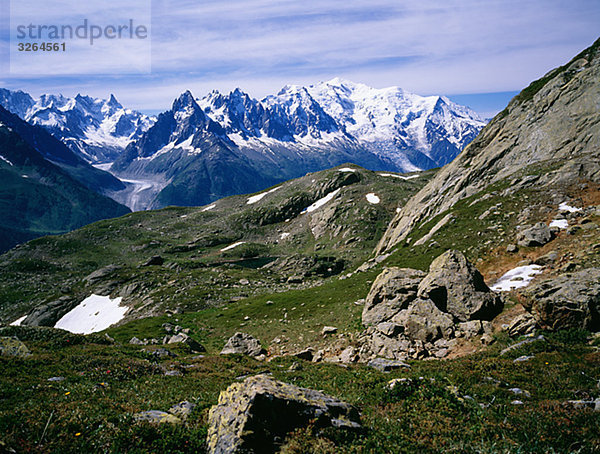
[243,344]
[568,301]
[254,416]
[410,314]
[11,346]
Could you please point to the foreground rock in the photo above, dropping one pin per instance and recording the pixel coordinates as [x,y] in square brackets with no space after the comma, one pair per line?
[568,301]
[410,314]
[243,344]
[255,415]
[11,346]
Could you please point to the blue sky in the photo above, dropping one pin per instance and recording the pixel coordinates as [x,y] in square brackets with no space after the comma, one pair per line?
[477,52]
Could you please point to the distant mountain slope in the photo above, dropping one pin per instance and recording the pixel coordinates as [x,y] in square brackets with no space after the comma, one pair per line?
[57,152]
[37,197]
[548,138]
[222,145]
[96,129]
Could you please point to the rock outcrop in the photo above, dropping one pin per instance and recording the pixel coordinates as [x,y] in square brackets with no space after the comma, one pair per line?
[254,416]
[243,344]
[569,301]
[410,314]
[554,120]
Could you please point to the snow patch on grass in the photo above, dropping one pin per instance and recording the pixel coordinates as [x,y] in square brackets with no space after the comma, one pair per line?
[322,201]
[18,321]
[257,197]
[210,207]
[518,277]
[560,223]
[93,314]
[565,207]
[346,169]
[373,198]
[410,177]
[231,246]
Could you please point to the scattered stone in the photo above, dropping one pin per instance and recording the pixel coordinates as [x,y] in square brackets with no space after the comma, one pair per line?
[135,341]
[593,404]
[183,338]
[156,417]
[295,279]
[161,353]
[387,365]
[101,274]
[517,402]
[56,379]
[244,281]
[269,303]
[254,416]
[306,355]
[318,356]
[296,366]
[183,409]
[519,392]
[244,344]
[512,248]
[349,355]
[11,346]
[567,301]
[547,259]
[522,325]
[173,373]
[522,359]
[154,260]
[398,382]
[538,235]
[328,330]
[520,344]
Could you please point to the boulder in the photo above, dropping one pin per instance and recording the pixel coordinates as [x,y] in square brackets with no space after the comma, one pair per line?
[101,274]
[423,321]
[255,415]
[11,346]
[156,417]
[328,330]
[458,288]
[183,409]
[522,325]
[183,338]
[567,301]
[538,235]
[243,344]
[392,291]
[387,365]
[409,313]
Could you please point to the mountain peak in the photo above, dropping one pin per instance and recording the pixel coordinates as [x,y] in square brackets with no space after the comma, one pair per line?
[185,100]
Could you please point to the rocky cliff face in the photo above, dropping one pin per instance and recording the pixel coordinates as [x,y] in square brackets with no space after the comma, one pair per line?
[553,124]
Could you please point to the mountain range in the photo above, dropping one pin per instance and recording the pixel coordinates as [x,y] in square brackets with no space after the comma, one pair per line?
[96,129]
[204,149]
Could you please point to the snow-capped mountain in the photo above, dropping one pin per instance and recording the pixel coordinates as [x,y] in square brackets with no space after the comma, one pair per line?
[96,129]
[203,149]
[398,124]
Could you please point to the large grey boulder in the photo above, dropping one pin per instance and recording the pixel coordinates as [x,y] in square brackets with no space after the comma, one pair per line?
[254,416]
[458,288]
[410,314]
[243,344]
[423,321]
[538,235]
[392,291]
[568,301]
